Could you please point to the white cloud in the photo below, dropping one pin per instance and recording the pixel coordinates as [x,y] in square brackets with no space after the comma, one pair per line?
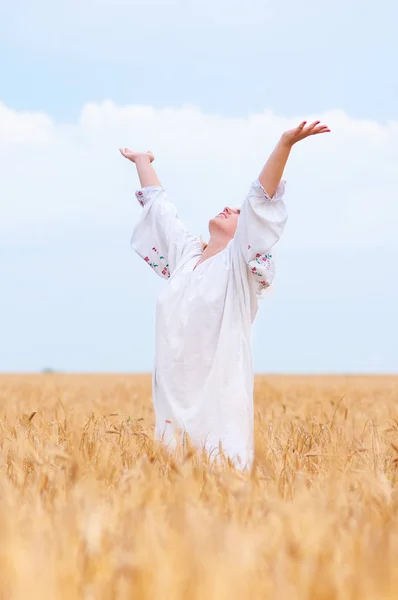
[20,128]
[69,178]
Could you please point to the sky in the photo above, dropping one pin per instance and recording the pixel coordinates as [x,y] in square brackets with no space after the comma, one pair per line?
[208,87]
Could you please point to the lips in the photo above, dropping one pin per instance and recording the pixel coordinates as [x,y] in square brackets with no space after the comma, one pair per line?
[221,214]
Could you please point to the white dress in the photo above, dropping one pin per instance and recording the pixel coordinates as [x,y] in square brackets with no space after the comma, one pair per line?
[203,375]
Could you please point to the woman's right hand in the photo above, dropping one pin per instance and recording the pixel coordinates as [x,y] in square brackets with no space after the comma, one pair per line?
[303,131]
[136,156]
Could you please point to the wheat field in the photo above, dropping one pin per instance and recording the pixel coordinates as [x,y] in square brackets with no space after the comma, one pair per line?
[92,508]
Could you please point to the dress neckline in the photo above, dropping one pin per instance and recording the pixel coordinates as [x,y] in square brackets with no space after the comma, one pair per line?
[199,264]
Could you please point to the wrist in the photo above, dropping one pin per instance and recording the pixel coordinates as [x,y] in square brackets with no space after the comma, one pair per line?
[142,159]
[285,141]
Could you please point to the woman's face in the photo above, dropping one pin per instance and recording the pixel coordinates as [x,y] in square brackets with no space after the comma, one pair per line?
[225,222]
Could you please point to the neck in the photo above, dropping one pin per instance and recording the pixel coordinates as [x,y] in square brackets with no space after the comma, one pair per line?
[215,245]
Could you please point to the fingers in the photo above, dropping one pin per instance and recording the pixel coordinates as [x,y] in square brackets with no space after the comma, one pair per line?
[315,128]
[126,152]
[303,131]
[311,127]
[320,129]
[300,128]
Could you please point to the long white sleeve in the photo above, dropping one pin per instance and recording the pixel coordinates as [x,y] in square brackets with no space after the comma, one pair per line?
[260,226]
[160,238]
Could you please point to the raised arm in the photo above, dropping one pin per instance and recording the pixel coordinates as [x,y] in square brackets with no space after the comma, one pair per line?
[263,215]
[160,238]
[143,162]
[272,172]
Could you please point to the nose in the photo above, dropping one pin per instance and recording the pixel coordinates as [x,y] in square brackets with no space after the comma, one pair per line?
[227,210]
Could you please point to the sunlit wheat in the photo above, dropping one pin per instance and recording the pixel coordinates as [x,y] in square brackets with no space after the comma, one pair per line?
[91,507]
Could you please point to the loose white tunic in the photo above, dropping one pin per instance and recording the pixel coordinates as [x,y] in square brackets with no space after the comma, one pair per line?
[203,375]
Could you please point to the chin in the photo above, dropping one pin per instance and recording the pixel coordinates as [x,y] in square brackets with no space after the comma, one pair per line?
[216,224]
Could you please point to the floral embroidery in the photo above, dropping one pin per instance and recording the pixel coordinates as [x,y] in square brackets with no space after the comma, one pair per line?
[278,194]
[249,247]
[161,269]
[262,258]
[263,284]
[140,197]
[262,267]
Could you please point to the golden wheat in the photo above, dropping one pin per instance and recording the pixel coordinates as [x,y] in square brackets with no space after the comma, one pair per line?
[92,508]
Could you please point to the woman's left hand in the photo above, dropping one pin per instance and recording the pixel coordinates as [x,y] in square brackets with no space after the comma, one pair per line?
[303,131]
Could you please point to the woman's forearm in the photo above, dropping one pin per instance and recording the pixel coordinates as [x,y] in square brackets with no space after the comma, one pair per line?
[146,172]
[272,172]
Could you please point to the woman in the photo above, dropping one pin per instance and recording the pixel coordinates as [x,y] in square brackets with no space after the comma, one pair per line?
[203,377]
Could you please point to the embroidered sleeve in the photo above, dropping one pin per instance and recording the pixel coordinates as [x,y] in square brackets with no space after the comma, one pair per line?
[160,238]
[260,226]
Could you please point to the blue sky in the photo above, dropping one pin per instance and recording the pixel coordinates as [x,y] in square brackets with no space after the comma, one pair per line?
[208,86]
[232,58]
